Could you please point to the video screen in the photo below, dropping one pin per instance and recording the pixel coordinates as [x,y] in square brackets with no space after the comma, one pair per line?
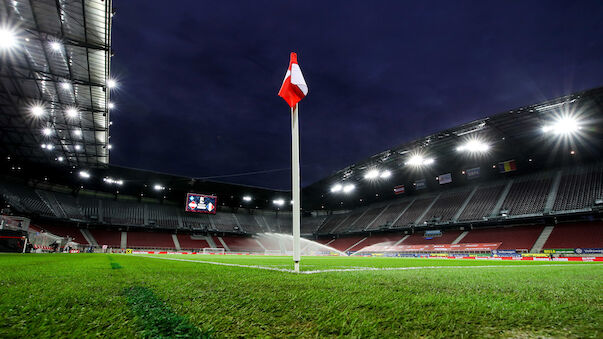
[201,203]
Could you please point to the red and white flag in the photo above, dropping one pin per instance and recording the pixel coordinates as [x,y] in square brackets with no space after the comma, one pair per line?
[294,86]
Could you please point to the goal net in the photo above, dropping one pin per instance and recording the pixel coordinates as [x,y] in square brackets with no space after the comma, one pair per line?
[213,250]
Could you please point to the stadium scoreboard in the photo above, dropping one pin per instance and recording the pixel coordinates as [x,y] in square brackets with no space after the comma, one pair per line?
[201,203]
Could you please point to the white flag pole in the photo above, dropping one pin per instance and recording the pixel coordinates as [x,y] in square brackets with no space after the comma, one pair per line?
[295,185]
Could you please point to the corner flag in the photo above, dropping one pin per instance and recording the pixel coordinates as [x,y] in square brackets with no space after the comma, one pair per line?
[294,89]
[294,86]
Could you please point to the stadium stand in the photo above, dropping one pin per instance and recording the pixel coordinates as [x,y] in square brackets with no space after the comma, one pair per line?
[163,216]
[150,240]
[248,223]
[376,239]
[416,210]
[512,238]
[348,224]
[196,221]
[332,222]
[365,220]
[576,235]
[389,214]
[111,238]
[188,242]
[309,225]
[225,222]
[482,203]
[242,244]
[446,206]
[579,188]
[123,212]
[70,205]
[25,198]
[345,243]
[528,196]
[217,242]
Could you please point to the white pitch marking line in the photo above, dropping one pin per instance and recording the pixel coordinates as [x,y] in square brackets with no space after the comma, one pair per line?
[357,269]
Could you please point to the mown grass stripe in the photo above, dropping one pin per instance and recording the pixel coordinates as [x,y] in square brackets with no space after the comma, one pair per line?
[158,320]
[115,265]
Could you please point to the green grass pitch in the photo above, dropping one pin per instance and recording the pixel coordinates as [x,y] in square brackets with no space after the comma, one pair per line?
[130,296]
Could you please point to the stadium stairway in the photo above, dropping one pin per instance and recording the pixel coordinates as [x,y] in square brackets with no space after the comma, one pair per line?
[542,239]
[176,242]
[356,244]
[460,237]
[89,237]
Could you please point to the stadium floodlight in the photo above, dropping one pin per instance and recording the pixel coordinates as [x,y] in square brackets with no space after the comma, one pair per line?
[77,132]
[562,126]
[37,110]
[84,174]
[55,46]
[474,146]
[111,83]
[371,174]
[336,188]
[44,146]
[65,85]
[247,198]
[419,160]
[109,146]
[385,174]
[77,147]
[158,187]
[72,112]
[46,131]
[60,159]
[112,181]
[50,147]
[8,38]
[111,105]
[278,202]
[348,188]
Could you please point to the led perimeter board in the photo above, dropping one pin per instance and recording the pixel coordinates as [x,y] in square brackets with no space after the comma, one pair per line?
[201,203]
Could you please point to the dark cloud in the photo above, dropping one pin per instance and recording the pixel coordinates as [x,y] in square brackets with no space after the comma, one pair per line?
[199,79]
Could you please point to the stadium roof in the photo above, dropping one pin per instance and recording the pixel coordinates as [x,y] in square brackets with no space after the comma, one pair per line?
[527,134]
[54,72]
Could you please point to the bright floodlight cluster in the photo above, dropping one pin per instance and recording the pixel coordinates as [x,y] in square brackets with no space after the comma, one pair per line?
[373,174]
[37,110]
[158,187]
[55,46]
[247,198]
[474,146]
[278,202]
[347,188]
[72,112]
[418,160]
[562,126]
[8,38]
[84,174]
[112,181]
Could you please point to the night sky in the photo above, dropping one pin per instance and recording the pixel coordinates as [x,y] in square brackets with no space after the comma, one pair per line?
[199,79]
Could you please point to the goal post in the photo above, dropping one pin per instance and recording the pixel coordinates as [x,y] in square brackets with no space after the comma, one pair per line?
[213,250]
[273,252]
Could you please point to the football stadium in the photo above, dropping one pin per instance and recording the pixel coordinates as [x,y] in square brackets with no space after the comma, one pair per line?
[491,227]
